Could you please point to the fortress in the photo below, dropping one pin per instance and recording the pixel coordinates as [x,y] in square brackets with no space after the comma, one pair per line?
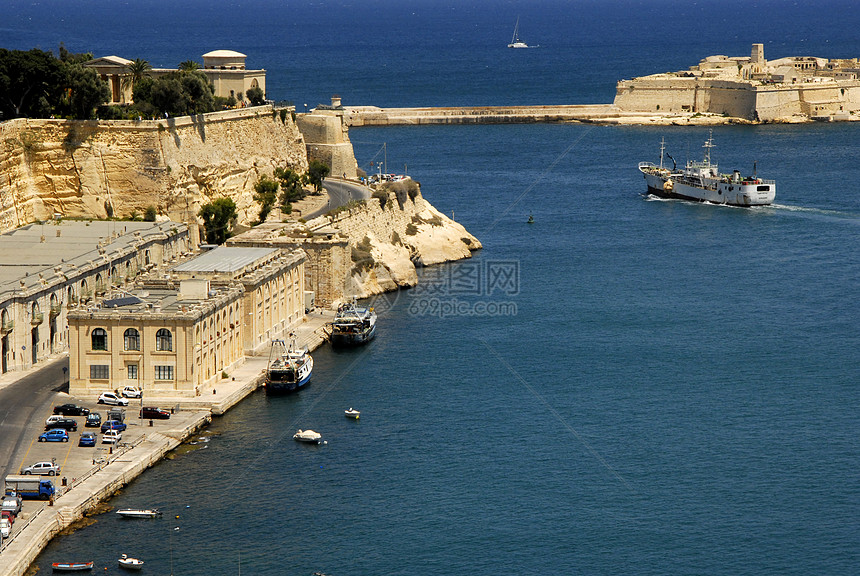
[791,89]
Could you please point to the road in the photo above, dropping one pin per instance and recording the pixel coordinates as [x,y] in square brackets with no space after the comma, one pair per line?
[340,192]
[24,405]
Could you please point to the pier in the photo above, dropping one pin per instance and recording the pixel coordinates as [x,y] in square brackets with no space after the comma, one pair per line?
[374,116]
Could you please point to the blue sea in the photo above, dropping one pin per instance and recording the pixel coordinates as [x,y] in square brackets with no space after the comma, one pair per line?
[625,386]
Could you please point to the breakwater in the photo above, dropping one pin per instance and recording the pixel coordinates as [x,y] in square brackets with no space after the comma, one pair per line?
[374,116]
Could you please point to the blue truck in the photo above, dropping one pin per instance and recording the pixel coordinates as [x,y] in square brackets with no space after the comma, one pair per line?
[29,487]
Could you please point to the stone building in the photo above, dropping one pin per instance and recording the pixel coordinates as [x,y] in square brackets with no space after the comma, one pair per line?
[326,137]
[225,70]
[50,269]
[178,334]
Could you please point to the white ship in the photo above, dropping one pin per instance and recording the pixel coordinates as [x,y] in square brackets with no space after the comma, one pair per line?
[289,368]
[702,182]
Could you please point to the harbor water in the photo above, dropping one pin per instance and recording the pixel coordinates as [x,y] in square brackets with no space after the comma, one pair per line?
[625,386]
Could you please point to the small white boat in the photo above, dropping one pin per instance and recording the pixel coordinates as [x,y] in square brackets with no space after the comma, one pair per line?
[138,513]
[515,40]
[352,413]
[308,436]
[130,563]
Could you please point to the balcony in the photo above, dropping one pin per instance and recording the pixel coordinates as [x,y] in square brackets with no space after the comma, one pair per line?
[55,310]
[37,318]
[7,327]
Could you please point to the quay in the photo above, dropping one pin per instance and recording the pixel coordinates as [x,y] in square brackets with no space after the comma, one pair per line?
[86,481]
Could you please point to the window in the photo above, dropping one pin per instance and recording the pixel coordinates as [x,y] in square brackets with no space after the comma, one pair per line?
[132,339]
[99,372]
[164,372]
[99,337]
[164,340]
[132,371]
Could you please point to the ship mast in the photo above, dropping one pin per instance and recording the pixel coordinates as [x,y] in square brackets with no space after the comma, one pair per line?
[662,149]
[709,143]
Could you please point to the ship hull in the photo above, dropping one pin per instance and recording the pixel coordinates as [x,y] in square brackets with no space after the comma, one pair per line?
[286,381]
[353,338]
[728,193]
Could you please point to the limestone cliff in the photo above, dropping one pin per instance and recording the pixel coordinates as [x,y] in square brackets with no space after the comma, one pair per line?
[116,168]
[393,233]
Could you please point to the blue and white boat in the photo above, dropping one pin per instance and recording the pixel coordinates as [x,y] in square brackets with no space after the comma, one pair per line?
[289,368]
[353,325]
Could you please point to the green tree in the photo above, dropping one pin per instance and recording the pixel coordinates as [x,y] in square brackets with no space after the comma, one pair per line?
[316,172]
[150,214]
[86,91]
[255,96]
[266,192]
[32,83]
[189,66]
[201,96]
[218,216]
[138,69]
[291,186]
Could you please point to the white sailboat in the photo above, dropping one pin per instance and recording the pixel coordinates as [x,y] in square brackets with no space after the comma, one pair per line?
[515,39]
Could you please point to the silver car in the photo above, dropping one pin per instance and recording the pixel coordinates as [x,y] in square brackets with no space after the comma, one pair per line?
[42,468]
[112,399]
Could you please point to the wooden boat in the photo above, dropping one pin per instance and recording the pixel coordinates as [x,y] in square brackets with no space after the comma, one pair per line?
[130,563]
[72,566]
[138,513]
[352,413]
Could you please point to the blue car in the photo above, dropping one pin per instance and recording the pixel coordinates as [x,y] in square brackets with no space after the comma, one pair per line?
[113,425]
[55,435]
[87,439]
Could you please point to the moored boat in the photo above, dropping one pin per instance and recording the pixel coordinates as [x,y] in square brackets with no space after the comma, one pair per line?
[289,368]
[308,436]
[138,512]
[702,182]
[130,563]
[72,566]
[353,325]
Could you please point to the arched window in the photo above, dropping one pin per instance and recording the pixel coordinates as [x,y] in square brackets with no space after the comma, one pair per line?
[99,337]
[131,338]
[164,340]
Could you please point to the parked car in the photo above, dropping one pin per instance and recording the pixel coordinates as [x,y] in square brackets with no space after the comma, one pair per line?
[71,410]
[112,399]
[64,423]
[113,425]
[111,437]
[87,439]
[9,515]
[54,418]
[5,527]
[55,435]
[11,504]
[153,413]
[132,392]
[94,420]
[42,468]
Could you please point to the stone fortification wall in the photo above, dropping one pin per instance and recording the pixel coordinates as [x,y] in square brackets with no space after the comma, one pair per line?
[327,139]
[765,102]
[374,116]
[103,168]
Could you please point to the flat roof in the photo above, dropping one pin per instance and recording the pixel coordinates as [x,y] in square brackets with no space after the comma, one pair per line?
[38,248]
[225,259]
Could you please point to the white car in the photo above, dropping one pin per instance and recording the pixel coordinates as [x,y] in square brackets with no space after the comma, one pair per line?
[111,436]
[132,392]
[54,418]
[5,527]
[112,399]
[41,468]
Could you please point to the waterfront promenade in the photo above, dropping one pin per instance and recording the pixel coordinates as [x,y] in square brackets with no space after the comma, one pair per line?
[91,477]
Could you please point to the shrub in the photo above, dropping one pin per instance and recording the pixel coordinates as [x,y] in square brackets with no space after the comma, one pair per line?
[150,214]
[382,196]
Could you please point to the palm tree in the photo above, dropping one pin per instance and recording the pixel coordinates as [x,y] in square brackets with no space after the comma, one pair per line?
[189,66]
[137,70]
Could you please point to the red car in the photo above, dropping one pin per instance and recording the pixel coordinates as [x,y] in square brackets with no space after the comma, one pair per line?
[153,413]
[8,514]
